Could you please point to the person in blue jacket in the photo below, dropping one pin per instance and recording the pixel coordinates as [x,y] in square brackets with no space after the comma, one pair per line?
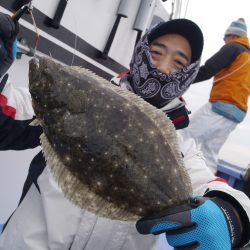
[168,55]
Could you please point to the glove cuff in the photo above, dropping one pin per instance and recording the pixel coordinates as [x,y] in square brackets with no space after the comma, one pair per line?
[232,219]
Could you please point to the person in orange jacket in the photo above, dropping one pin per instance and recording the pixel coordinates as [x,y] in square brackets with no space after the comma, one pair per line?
[211,125]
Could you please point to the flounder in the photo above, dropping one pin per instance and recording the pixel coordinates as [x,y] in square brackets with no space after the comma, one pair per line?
[111,152]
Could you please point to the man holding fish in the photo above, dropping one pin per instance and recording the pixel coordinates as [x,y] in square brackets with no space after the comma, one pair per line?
[164,64]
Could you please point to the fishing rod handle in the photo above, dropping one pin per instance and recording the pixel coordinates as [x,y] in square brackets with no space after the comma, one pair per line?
[24,10]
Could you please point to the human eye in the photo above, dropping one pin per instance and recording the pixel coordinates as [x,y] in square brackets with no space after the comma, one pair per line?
[155,52]
[180,64]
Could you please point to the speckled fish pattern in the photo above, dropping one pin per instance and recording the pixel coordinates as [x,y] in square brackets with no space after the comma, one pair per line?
[111,152]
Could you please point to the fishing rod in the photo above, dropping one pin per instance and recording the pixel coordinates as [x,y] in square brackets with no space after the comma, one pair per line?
[15,17]
[25,9]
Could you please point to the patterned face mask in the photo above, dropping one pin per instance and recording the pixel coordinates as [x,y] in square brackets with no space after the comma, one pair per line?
[154,86]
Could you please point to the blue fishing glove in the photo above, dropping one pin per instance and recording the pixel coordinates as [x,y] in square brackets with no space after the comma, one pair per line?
[208,223]
[8,32]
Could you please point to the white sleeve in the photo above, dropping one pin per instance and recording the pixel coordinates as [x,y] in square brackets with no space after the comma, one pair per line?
[17,101]
[204,181]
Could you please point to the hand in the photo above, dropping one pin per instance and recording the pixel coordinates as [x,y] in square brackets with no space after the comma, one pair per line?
[203,225]
[8,32]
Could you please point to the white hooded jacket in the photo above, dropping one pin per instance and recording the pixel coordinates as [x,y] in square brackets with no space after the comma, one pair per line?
[46,220]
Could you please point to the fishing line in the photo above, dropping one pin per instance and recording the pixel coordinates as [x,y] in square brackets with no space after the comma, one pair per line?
[37,38]
[36,33]
[28,9]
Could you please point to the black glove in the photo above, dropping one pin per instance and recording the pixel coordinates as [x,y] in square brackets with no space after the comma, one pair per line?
[206,224]
[8,32]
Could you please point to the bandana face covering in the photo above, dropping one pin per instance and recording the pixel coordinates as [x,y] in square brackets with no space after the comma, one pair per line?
[154,86]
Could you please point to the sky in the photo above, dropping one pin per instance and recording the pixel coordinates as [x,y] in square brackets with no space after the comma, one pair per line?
[213,17]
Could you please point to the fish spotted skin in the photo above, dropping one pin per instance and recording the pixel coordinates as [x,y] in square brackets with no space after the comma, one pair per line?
[111,152]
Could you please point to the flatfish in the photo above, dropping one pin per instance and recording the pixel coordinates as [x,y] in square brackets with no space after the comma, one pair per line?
[111,152]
